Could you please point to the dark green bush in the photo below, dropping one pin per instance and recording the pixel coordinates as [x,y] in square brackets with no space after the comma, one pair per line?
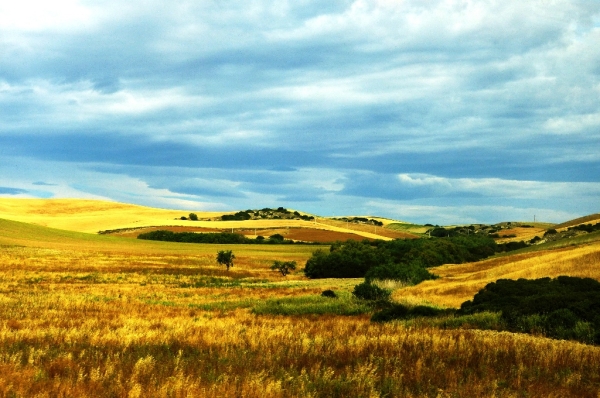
[399,257]
[399,311]
[329,293]
[396,311]
[565,307]
[412,273]
[371,292]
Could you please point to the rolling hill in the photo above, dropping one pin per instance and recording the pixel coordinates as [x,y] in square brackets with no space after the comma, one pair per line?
[92,216]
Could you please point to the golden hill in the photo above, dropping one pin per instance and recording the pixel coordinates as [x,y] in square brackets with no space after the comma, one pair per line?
[460,282]
[92,216]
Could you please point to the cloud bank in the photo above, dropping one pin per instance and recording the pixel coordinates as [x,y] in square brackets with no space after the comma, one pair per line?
[396,108]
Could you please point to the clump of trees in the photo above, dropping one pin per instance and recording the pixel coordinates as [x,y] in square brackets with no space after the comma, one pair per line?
[191,237]
[589,228]
[361,220]
[402,260]
[266,213]
[564,307]
[239,216]
[213,237]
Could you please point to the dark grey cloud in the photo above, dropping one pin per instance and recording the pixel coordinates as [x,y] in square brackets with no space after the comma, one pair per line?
[42,183]
[12,191]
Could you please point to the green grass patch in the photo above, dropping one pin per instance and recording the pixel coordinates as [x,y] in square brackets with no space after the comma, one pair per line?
[483,320]
[224,306]
[344,304]
[411,228]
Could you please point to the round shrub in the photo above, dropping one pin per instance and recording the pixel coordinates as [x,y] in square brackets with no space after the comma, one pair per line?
[329,293]
[368,291]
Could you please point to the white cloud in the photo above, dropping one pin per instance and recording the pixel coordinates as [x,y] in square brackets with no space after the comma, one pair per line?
[496,187]
[40,15]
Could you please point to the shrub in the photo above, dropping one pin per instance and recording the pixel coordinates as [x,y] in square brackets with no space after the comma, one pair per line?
[329,293]
[399,311]
[412,273]
[193,217]
[277,237]
[396,311]
[565,307]
[371,292]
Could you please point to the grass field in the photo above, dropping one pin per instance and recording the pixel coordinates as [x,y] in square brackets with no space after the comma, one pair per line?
[103,316]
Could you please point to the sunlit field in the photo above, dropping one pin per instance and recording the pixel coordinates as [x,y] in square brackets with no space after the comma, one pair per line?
[99,316]
[92,216]
[459,283]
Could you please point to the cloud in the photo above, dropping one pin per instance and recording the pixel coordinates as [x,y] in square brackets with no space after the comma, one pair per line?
[11,191]
[222,104]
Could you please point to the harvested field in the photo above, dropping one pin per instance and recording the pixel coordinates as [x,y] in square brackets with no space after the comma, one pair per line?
[381,231]
[520,233]
[133,233]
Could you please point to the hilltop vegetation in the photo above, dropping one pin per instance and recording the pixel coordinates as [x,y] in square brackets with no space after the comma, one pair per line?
[281,213]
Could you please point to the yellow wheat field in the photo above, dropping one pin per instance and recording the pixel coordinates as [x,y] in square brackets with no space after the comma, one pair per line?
[124,325]
[93,316]
[91,216]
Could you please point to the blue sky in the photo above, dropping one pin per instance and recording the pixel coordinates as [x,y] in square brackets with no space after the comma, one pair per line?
[440,111]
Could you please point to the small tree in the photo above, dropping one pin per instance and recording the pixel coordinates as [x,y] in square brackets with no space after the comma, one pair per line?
[193,217]
[283,266]
[225,257]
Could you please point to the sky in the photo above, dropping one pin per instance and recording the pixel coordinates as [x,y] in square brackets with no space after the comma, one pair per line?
[437,111]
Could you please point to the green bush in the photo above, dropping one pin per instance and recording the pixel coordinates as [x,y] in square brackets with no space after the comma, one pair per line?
[564,308]
[412,273]
[329,293]
[371,292]
[399,311]
[399,258]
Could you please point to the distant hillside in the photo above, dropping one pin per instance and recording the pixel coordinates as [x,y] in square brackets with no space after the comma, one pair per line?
[459,283]
[93,216]
[592,218]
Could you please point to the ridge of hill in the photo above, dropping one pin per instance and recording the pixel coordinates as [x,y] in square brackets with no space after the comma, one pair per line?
[585,219]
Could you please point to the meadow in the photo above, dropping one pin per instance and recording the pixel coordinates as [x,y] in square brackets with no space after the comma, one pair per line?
[102,316]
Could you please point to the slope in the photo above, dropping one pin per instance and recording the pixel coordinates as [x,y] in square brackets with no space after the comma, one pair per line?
[92,216]
[460,282]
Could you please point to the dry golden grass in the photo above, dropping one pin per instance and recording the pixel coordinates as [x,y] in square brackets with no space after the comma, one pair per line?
[108,325]
[94,316]
[370,231]
[522,234]
[459,283]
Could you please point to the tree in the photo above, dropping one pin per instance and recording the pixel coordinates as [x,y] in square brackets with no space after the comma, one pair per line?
[283,266]
[193,217]
[225,257]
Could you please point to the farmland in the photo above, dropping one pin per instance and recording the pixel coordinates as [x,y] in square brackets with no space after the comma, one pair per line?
[93,315]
